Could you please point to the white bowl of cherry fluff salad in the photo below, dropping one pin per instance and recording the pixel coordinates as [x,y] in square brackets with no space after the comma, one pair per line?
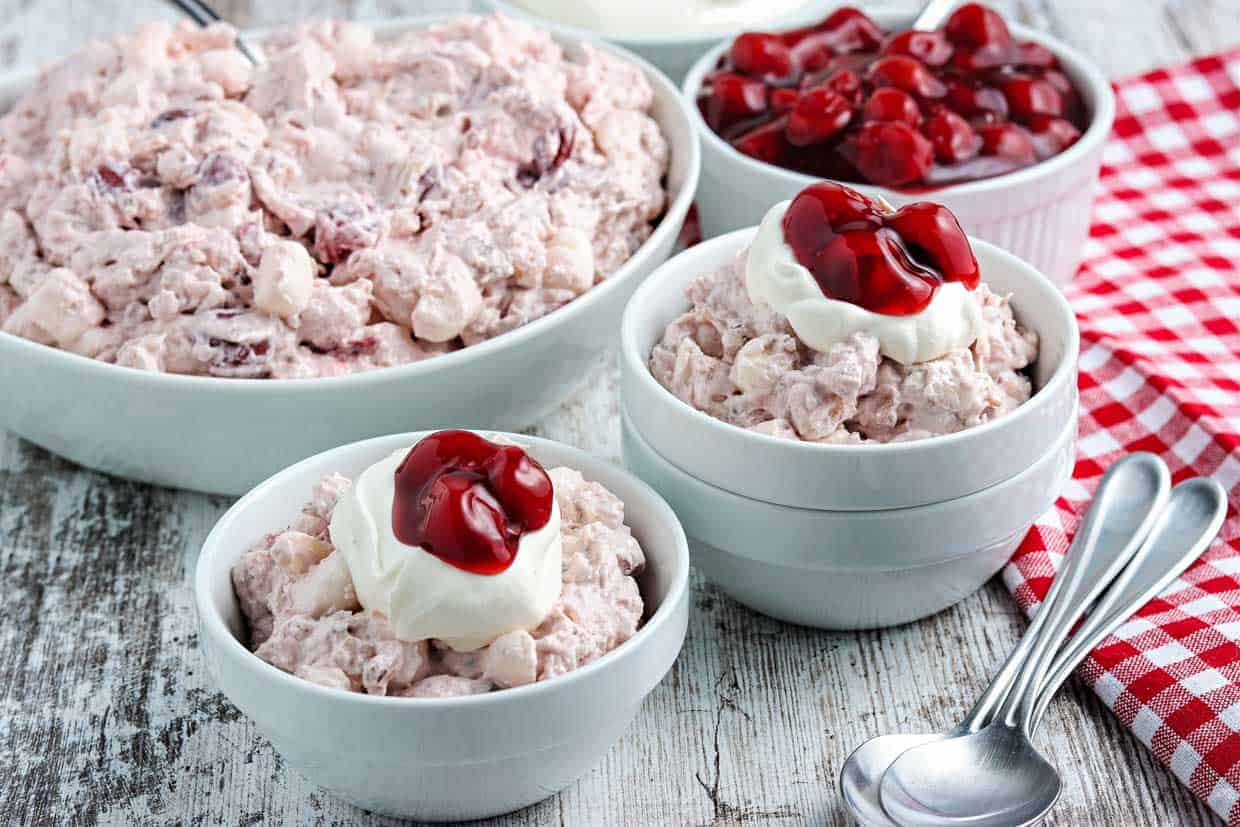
[445,625]
[213,269]
[856,411]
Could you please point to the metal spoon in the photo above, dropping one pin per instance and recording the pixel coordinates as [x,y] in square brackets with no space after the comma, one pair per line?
[934,14]
[1008,781]
[1127,500]
[204,15]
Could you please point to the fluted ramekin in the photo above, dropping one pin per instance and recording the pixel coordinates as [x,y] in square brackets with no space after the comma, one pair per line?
[1041,213]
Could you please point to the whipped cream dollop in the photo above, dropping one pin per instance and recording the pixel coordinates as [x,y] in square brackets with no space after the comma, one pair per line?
[952,320]
[423,596]
[659,17]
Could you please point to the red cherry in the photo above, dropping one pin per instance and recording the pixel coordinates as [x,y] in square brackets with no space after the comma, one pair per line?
[1007,141]
[1027,97]
[467,501]
[973,26]
[931,48]
[970,99]
[1035,54]
[891,104]
[871,269]
[819,114]
[844,30]
[904,72]
[892,154]
[1051,135]
[828,204]
[980,60]
[733,98]
[780,99]
[953,139]
[766,143]
[761,55]
[847,83]
[934,239]
[1060,81]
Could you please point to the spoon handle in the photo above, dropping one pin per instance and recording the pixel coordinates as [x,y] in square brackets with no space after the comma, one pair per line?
[204,15]
[1124,509]
[1131,492]
[1185,529]
[934,14]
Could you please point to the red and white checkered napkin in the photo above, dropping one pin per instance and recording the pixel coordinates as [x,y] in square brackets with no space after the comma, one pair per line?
[1158,299]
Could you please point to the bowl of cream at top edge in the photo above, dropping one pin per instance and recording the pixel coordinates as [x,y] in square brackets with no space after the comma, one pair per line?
[224,435]
[853,569]
[443,758]
[850,477]
[673,52]
[1041,213]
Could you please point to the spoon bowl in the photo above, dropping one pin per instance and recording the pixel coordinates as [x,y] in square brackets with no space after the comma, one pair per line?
[859,780]
[991,778]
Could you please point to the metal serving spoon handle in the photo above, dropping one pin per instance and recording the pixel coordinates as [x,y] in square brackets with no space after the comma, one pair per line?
[1125,507]
[933,14]
[204,15]
[1183,531]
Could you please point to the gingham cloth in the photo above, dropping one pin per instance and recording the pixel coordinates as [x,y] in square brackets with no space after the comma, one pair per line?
[1158,300]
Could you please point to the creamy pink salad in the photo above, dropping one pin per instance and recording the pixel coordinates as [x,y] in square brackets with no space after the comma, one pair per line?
[742,363]
[352,203]
[297,595]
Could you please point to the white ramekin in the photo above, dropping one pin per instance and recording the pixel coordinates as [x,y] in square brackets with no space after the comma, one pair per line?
[451,758]
[853,569]
[849,477]
[674,53]
[224,435]
[1040,213]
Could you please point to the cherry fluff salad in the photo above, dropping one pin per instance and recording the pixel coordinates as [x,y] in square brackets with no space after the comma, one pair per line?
[454,567]
[846,321]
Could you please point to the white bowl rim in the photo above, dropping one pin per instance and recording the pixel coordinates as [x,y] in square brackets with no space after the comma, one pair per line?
[673,215]
[702,40]
[638,365]
[214,622]
[1099,129]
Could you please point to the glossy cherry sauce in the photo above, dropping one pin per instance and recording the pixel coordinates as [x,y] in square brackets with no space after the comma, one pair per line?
[844,99]
[885,262]
[468,500]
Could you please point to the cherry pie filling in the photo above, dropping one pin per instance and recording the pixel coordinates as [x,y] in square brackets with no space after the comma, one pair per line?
[844,99]
[885,262]
[467,500]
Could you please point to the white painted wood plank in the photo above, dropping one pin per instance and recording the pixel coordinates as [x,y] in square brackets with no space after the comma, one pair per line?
[107,715]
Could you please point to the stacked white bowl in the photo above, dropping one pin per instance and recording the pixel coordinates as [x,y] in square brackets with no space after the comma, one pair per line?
[851,536]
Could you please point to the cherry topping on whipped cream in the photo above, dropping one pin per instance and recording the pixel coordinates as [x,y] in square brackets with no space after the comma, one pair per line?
[467,500]
[890,263]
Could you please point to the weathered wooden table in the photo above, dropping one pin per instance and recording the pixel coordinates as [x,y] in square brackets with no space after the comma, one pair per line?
[108,716]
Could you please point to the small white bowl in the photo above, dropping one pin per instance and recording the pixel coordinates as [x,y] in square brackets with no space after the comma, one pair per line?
[850,477]
[224,435]
[1040,213]
[448,758]
[673,53]
[853,569]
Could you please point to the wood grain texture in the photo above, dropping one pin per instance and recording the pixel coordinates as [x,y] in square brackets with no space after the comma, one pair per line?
[107,715]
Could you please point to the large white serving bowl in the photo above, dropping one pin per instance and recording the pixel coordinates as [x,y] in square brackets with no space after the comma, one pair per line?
[1040,213]
[224,435]
[853,569]
[448,758]
[850,477]
[674,52]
